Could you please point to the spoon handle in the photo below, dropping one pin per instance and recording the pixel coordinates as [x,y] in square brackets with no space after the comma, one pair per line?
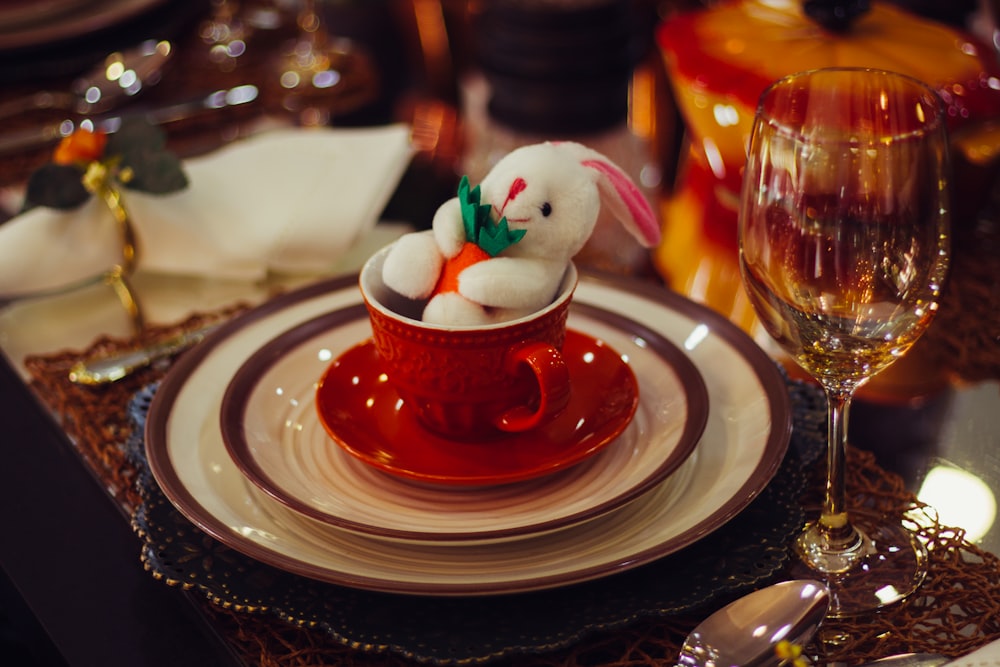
[112,368]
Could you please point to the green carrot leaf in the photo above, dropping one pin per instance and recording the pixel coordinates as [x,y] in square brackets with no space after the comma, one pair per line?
[492,237]
[469,204]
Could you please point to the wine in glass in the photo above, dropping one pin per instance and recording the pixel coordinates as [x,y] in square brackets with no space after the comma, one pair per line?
[844,246]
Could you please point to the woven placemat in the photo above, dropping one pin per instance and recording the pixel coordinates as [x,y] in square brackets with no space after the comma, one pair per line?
[964,338]
[956,610]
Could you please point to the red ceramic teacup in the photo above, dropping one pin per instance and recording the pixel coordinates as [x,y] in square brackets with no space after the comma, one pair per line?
[471,382]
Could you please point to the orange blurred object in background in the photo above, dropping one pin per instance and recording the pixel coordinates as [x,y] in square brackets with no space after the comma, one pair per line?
[720,59]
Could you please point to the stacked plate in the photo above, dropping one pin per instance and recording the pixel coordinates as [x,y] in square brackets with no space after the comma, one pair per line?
[236,442]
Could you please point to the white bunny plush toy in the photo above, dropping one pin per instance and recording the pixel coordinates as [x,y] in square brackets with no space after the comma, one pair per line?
[539,206]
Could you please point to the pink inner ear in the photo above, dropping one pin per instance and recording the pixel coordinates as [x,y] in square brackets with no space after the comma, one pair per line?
[643,219]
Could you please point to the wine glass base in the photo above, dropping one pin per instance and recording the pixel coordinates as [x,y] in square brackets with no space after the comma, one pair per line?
[889,565]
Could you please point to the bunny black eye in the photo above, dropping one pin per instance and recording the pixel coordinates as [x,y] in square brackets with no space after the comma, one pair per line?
[546,209]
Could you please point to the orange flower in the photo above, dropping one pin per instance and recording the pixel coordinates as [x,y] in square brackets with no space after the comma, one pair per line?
[81,146]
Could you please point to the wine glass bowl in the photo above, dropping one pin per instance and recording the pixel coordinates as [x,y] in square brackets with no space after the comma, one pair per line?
[844,249]
[224,34]
[319,75]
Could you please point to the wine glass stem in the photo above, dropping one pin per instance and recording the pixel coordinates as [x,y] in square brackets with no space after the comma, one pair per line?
[834,514]
[833,544]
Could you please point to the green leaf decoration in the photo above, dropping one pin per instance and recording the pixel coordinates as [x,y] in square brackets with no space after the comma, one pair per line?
[156,172]
[136,134]
[136,155]
[56,186]
[142,149]
[492,237]
[474,214]
[468,203]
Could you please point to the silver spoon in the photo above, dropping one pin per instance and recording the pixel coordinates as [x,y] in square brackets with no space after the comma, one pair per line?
[119,76]
[745,631]
[107,369]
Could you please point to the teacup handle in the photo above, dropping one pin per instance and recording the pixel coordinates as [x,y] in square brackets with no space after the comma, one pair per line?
[549,368]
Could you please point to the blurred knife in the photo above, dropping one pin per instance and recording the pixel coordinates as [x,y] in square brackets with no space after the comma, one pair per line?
[35,137]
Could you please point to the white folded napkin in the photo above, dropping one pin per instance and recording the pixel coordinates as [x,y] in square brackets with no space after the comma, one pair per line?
[288,200]
[985,656]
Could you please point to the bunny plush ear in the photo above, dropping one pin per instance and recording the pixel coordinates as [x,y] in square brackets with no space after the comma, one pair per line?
[619,194]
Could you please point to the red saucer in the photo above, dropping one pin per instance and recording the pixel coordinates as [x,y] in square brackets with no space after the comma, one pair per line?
[363,413]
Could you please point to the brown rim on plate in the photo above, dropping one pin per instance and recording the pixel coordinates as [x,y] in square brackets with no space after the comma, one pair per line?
[235,405]
[772,444]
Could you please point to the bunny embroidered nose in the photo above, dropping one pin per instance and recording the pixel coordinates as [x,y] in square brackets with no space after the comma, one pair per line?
[516,188]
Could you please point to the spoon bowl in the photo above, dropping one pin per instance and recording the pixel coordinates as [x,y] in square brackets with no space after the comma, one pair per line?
[121,75]
[745,631]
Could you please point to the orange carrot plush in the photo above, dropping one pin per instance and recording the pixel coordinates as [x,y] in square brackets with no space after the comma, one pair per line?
[483,238]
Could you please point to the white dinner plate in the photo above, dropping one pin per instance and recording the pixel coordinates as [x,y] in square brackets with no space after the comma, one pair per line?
[273,432]
[745,438]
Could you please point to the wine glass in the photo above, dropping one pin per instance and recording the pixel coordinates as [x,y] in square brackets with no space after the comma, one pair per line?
[844,246]
[319,75]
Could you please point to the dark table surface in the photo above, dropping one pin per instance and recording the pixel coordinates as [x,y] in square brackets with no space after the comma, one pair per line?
[73,589]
